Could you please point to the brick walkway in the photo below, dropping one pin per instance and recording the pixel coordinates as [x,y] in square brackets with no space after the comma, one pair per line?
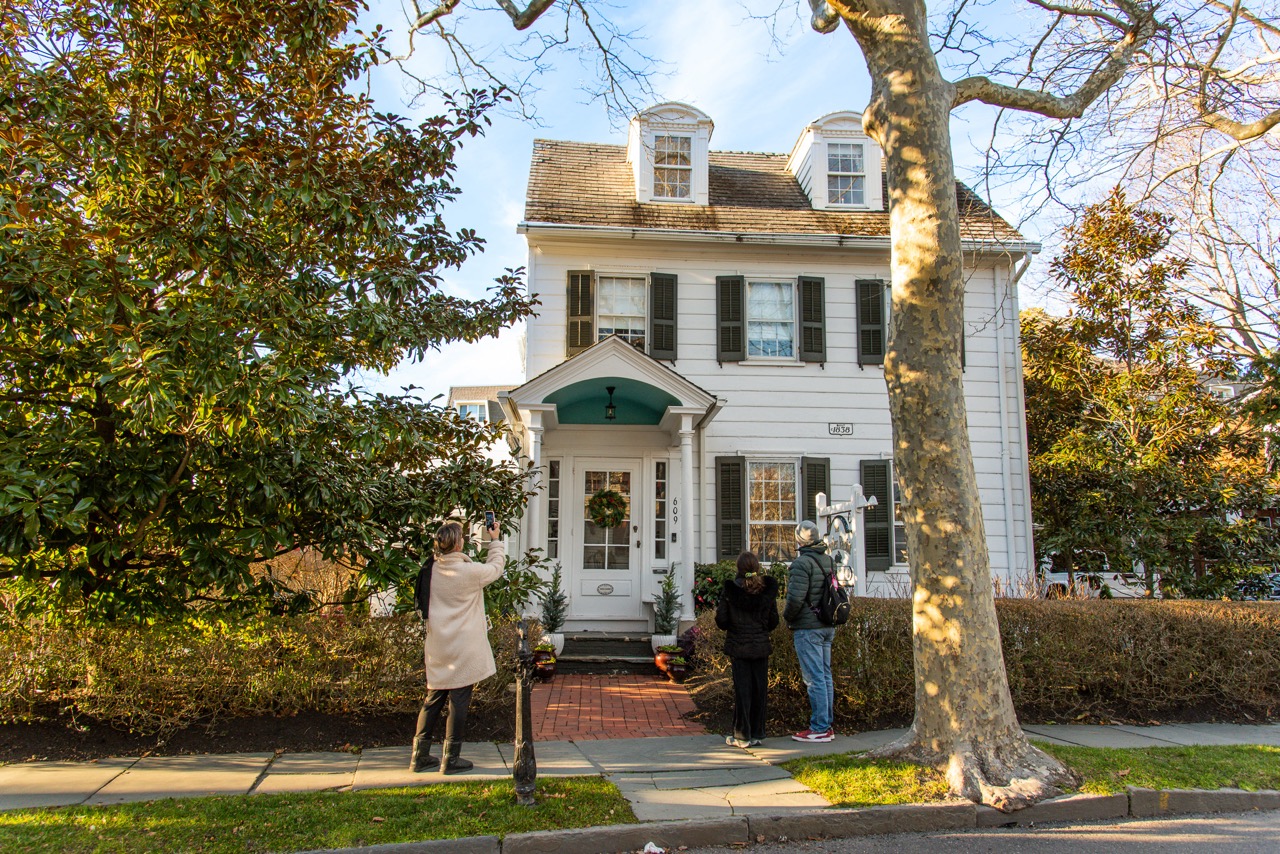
[582,708]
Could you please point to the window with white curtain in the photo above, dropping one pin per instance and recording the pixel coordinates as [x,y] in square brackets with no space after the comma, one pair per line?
[621,308]
[771,319]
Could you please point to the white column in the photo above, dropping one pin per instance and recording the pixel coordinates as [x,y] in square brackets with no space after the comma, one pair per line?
[533,514]
[687,514]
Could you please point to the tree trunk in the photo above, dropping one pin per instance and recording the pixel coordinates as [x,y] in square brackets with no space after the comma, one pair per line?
[964,717]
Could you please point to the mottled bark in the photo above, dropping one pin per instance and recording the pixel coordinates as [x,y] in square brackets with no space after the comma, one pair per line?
[964,719]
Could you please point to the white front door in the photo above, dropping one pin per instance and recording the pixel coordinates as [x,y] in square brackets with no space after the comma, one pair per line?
[609,559]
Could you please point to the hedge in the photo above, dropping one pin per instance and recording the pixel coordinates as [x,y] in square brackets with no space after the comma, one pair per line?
[152,679]
[1068,660]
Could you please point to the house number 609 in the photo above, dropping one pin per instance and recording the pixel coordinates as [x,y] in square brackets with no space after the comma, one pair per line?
[675,510]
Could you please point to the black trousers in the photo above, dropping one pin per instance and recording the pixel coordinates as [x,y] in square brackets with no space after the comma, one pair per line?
[458,700]
[750,684]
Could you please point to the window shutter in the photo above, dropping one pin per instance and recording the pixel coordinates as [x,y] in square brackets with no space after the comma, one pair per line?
[581,312]
[495,412]
[878,520]
[662,316]
[730,328]
[813,315]
[962,348]
[731,507]
[871,325]
[815,477]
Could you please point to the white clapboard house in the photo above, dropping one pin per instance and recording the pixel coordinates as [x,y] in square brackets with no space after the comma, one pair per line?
[710,344]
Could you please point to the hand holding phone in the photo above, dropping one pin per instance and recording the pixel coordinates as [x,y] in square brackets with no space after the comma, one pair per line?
[490,521]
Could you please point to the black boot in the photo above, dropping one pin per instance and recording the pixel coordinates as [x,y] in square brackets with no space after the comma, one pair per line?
[422,760]
[452,763]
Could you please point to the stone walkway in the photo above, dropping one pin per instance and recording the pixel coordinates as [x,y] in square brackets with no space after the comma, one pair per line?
[580,708]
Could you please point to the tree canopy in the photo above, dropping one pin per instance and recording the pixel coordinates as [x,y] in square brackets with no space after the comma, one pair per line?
[1134,461]
[204,228]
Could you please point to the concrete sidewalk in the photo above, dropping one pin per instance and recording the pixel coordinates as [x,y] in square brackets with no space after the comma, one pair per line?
[670,778]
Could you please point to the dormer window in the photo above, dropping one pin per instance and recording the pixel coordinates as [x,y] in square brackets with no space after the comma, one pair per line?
[672,167]
[846,174]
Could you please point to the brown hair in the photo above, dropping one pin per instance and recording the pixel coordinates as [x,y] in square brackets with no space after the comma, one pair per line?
[749,572]
[448,538]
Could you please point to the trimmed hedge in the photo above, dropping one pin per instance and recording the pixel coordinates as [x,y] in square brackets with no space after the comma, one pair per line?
[152,679]
[1067,660]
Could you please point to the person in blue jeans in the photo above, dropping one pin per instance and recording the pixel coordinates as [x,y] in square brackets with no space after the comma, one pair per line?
[811,637]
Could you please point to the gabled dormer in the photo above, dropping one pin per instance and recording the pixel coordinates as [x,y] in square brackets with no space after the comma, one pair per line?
[838,165]
[667,151]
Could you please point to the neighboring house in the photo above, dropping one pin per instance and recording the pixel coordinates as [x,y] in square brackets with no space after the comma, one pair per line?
[480,402]
[710,344]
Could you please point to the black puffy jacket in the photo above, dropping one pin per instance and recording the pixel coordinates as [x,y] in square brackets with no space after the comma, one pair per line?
[747,618]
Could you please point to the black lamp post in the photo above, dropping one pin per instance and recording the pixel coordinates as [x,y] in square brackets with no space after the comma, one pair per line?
[525,769]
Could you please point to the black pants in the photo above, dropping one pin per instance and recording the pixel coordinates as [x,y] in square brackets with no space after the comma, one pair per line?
[458,700]
[750,684]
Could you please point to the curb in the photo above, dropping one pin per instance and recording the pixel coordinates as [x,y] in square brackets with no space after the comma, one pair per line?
[839,823]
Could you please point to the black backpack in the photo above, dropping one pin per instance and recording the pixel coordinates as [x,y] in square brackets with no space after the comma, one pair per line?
[422,588]
[833,603]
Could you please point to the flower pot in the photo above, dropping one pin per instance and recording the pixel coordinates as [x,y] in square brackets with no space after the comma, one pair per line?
[662,660]
[661,640]
[677,672]
[556,639]
[544,670]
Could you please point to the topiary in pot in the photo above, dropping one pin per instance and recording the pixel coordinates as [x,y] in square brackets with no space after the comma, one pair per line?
[666,611]
[554,606]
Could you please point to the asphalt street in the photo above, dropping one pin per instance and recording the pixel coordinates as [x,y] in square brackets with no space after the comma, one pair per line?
[1249,833]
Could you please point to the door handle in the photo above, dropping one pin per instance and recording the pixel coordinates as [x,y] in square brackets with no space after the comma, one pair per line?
[637,544]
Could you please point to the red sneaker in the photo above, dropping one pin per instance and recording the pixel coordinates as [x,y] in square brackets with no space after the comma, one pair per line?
[812,737]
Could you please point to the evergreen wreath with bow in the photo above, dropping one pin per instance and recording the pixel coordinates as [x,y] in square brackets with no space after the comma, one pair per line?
[607,508]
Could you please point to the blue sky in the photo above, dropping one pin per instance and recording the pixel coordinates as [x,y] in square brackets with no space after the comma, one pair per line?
[759,93]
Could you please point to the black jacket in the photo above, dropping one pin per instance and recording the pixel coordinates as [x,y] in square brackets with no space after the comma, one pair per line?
[747,618]
[804,587]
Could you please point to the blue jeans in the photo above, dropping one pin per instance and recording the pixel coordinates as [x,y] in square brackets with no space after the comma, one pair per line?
[813,649]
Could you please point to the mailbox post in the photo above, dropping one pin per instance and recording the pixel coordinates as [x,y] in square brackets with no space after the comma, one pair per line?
[525,769]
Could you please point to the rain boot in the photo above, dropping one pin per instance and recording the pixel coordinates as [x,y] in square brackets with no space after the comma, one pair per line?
[452,763]
[422,760]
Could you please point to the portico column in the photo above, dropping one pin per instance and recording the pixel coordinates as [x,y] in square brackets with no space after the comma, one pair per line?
[533,514]
[687,514]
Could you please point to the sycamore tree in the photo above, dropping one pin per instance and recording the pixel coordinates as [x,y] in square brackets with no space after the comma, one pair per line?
[1134,462]
[205,228]
[1076,52]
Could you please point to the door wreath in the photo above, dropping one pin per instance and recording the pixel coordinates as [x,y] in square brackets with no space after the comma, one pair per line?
[607,508]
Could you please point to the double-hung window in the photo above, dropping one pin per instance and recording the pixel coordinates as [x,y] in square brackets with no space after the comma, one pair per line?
[672,166]
[846,174]
[621,309]
[759,502]
[771,509]
[640,309]
[771,320]
[474,411]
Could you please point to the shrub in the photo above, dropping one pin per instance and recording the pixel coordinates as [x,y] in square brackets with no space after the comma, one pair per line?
[710,579]
[1067,660]
[159,678]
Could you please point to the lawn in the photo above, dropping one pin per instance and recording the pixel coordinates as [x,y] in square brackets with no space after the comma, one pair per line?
[849,780]
[261,823]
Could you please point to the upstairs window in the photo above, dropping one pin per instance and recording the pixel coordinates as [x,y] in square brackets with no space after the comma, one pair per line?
[672,167]
[846,174]
[621,309]
[474,411]
[771,320]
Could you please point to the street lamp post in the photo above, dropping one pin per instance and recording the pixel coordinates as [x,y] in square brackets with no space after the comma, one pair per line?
[525,769]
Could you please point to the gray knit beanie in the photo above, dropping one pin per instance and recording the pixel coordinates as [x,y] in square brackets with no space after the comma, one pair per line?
[807,534]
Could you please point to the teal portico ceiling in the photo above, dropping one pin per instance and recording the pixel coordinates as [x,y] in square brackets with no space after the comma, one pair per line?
[583,402]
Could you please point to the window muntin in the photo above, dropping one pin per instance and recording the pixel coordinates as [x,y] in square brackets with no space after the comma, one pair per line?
[660,510]
[771,319]
[672,167]
[474,411]
[553,509]
[771,509]
[621,308]
[846,174]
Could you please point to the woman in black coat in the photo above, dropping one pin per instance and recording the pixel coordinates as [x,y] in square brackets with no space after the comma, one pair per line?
[748,612]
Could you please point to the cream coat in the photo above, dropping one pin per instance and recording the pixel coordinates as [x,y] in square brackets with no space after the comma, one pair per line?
[457,645]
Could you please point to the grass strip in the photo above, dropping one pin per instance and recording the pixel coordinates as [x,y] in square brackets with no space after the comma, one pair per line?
[262,823]
[849,780]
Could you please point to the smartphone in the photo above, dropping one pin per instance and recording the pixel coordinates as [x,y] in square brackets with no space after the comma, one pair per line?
[489,519]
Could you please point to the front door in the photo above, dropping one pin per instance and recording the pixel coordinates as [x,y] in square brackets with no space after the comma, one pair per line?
[608,583]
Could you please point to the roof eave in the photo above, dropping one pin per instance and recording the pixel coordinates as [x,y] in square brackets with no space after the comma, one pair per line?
[549,229]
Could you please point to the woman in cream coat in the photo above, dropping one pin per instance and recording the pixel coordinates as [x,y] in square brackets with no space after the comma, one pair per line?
[457,648]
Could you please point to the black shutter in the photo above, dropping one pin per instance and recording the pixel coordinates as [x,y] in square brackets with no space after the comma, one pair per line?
[581,312]
[495,412]
[662,316]
[730,326]
[871,325]
[813,316]
[962,347]
[878,520]
[731,507]
[815,477]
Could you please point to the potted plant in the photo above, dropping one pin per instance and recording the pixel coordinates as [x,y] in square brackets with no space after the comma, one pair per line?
[554,605]
[666,612]
[678,669]
[662,656]
[544,661]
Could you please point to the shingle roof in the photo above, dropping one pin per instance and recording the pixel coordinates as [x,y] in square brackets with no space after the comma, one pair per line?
[470,393]
[584,183]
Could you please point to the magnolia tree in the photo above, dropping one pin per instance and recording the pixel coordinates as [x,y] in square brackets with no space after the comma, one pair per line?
[964,720]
